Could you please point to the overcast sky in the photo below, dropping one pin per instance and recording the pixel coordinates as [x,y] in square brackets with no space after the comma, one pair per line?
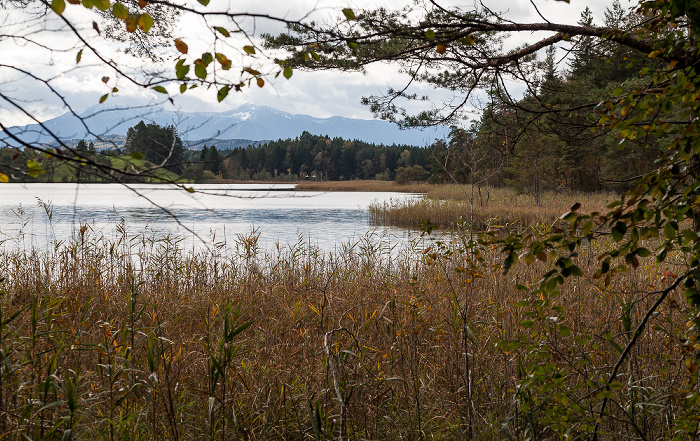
[320,94]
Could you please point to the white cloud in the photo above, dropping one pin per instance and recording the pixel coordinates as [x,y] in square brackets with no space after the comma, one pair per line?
[318,94]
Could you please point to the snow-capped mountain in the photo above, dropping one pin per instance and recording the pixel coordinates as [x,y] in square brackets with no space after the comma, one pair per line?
[248,122]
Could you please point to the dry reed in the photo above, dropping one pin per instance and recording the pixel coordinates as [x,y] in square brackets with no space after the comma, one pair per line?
[482,208]
[136,339]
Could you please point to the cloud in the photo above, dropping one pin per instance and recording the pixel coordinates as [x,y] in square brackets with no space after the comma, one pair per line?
[319,94]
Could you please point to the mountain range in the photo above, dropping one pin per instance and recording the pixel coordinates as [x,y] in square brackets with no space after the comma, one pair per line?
[247,122]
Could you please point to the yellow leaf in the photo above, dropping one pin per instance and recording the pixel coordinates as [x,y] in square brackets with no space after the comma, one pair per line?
[441,48]
[4,178]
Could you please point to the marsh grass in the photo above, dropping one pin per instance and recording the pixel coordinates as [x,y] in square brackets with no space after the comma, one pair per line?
[135,338]
[482,208]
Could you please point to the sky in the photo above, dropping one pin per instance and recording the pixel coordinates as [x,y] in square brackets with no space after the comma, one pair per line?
[319,94]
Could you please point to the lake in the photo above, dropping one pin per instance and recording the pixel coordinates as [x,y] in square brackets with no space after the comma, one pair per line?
[37,215]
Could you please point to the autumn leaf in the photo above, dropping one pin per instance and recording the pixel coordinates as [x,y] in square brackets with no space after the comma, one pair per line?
[224,61]
[181,46]
[261,82]
[440,48]
[145,22]
[250,50]
[131,24]
[58,6]
[143,4]
[222,31]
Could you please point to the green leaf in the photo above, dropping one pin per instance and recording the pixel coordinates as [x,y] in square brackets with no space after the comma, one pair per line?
[203,2]
[79,56]
[468,40]
[527,323]
[287,72]
[200,71]
[207,58]
[430,34]
[104,97]
[250,50]
[618,231]
[181,69]
[58,6]
[575,271]
[119,11]
[568,216]
[222,93]
[349,14]
[137,155]
[643,252]
[670,230]
[102,5]
[222,31]
[145,22]
[183,88]
[692,295]
[160,89]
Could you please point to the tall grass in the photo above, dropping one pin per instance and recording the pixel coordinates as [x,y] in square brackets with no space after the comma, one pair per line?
[481,208]
[135,338]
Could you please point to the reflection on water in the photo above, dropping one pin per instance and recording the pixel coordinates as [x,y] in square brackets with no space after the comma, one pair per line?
[38,214]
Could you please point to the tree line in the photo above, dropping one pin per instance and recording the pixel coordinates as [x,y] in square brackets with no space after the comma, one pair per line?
[310,156]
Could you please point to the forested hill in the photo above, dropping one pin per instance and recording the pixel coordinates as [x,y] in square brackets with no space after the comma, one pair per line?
[318,157]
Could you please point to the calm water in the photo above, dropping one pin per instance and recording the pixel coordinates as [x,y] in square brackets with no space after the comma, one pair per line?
[39,214]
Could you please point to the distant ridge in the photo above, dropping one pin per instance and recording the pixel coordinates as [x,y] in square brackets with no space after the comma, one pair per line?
[247,122]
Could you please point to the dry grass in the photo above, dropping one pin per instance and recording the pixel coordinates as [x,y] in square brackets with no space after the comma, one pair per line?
[483,208]
[136,339]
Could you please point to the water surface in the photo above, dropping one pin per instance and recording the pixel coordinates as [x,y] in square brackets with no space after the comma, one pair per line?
[36,215]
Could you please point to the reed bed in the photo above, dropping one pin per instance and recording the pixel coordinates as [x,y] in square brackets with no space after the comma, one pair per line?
[137,339]
[482,208]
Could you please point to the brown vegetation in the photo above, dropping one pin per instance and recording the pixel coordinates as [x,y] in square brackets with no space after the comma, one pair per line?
[136,339]
[482,208]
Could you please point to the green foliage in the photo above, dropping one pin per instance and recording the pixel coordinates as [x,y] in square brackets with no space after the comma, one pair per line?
[160,145]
